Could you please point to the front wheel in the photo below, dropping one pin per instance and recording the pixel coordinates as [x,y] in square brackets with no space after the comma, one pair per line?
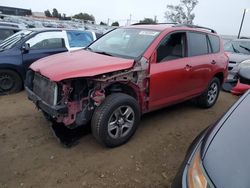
[10,82]
[210,95]
[115,121]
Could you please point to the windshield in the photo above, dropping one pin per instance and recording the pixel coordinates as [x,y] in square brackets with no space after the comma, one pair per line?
[126,43]
[238,46]
[13,39]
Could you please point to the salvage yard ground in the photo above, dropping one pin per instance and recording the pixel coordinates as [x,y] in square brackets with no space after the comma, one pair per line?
[30,156]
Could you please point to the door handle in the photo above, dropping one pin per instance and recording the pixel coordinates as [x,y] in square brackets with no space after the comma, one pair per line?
[188,67]
[213,62]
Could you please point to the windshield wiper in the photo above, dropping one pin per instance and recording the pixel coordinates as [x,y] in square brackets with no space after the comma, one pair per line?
[103,53]
[246,48]
[235,50]
[89,49]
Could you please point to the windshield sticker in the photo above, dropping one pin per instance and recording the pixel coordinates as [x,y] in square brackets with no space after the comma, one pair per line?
[151,33]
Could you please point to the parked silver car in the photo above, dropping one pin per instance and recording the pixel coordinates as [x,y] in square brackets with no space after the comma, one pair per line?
[238,51]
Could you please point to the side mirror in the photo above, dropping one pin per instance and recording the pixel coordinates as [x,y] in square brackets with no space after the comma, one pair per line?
[26,47]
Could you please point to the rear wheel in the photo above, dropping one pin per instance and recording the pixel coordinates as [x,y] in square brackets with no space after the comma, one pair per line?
[10,82]
[210,96]
[115,121]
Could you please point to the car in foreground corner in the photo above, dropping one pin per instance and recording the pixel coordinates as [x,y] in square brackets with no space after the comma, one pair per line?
[128,72]
[219,157]
[20,50]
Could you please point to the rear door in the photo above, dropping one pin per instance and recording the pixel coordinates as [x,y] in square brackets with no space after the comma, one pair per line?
[42,45]
[200,60]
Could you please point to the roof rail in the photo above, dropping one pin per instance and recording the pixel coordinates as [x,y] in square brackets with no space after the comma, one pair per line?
[195,26]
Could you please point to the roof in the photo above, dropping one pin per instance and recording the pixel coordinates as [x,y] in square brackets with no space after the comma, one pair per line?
[158,27]
[53,29]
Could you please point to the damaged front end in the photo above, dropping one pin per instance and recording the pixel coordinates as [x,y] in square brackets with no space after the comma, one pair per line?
[73,101]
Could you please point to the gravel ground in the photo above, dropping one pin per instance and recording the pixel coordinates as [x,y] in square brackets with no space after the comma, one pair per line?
[30,156]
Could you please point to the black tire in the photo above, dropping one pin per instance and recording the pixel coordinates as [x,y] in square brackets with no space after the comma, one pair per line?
[109,111]
[203,100]
[10,82]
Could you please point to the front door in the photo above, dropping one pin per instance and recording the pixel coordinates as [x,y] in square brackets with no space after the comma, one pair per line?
[169,75]
[42,45]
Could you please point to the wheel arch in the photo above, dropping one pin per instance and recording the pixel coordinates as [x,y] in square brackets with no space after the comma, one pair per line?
[14,68]
[129,89]
[220,76]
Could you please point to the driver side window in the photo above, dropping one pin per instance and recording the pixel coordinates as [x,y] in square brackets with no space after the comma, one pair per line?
[47,40]
[172,47]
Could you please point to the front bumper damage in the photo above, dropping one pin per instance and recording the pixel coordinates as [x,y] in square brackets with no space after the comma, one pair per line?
[53,111]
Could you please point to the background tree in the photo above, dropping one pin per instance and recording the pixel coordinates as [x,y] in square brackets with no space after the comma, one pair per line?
[47,13]
[181,13]
[115,24]
[147,21]
[102,23]
[84,16]
[60,16]
[55,13]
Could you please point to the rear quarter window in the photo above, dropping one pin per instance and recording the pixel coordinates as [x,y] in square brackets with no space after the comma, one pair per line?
[197,44]
[215,43]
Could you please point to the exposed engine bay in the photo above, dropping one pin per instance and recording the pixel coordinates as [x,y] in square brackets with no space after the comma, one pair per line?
[77,98]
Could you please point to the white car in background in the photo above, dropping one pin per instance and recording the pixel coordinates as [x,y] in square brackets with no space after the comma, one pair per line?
[238,51]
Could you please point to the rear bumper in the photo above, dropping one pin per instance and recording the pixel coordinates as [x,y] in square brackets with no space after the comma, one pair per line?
[53,111]
[240,88]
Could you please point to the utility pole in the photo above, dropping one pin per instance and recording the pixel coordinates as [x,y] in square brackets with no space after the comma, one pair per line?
[155,19]
[242,21]
[108,22]
[130,19]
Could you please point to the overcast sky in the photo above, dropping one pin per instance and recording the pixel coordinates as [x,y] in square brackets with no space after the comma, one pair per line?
[222,15]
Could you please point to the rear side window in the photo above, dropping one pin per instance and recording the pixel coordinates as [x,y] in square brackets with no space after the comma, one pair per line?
[79,38]
[215,43]
[52,43]
[5,33]
[197,44]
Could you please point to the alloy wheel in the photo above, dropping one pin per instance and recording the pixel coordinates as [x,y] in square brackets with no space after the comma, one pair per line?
[121,122]
[212,93]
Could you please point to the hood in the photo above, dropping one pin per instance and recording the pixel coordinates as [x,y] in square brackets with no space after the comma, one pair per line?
[227,158]
[80,63]
[237,57]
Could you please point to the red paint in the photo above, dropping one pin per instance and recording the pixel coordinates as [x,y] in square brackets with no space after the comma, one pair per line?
[81,63]
[177,80]
[168,82]
[240,88]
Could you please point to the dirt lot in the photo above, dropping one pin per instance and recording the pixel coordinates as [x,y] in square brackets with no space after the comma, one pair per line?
[30,156]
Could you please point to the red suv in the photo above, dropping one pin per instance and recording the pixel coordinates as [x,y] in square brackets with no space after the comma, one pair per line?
[126,73]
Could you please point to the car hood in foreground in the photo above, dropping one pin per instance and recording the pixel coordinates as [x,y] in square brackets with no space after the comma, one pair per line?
[80,63]
[227,158]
